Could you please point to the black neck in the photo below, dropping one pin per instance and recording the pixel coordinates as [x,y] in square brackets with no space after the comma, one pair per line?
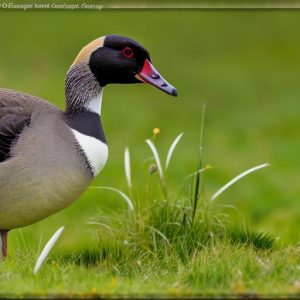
[86,122]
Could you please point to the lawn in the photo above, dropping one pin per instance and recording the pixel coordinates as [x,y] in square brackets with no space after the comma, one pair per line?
[244,65]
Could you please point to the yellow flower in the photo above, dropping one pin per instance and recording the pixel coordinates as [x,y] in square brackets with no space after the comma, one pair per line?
[94,291]
[156,131]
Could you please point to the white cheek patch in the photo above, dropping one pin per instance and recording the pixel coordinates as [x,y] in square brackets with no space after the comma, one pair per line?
[95,151]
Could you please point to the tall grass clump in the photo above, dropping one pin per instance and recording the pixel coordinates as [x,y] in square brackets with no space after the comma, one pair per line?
[173,226]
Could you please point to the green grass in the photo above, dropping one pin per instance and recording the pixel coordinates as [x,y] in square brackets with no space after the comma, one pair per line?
[245,66]
[222,269]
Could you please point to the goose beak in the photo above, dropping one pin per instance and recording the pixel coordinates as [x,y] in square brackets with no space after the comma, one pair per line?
[150,75]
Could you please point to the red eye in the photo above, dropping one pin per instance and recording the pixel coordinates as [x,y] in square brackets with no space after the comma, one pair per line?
[127,52]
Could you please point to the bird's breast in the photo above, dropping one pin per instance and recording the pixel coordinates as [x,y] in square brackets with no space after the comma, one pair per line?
[94,150]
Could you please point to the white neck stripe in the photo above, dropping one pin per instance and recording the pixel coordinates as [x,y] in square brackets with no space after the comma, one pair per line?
[95,151]
[94,105]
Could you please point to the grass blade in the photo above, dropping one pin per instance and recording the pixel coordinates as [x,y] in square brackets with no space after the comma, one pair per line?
[101,224]
[161,234]
[127,167]
[123,195]
[237,178]
[157,159]
[172,148]
[47,249]
[197,181]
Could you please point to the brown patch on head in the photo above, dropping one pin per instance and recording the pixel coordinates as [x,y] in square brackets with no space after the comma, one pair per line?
[85,53]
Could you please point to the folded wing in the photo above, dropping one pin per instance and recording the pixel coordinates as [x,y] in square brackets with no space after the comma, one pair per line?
[16,110]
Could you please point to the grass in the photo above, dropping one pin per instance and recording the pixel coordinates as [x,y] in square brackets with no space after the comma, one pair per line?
[244,65]
[220,270]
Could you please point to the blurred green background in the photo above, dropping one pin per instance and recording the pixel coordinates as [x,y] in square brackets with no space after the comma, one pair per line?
[243,64]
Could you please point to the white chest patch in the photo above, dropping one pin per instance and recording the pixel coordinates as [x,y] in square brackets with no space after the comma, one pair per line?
[95,151]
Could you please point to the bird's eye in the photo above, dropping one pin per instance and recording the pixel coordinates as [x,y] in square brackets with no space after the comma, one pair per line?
[127,52]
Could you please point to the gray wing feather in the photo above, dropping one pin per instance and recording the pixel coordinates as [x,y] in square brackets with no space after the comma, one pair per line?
[16,110]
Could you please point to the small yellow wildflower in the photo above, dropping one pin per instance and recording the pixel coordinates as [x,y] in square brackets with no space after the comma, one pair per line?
[94,291]
[156,131]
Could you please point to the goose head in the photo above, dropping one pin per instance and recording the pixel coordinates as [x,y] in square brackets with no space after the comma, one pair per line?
[108,60]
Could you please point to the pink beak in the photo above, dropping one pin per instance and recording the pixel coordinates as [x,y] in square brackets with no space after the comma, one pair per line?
[150,75]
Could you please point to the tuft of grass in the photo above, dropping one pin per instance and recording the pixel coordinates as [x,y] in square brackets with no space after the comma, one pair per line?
[259,240]
[172,232]
[175,225]
[87,257]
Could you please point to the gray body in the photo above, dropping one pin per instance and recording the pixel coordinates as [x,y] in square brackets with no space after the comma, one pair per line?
[46,171]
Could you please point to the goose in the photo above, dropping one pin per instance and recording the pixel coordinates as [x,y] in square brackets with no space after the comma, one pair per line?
[48,157]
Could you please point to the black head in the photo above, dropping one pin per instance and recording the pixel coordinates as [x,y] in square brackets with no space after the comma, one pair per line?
[118,59]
